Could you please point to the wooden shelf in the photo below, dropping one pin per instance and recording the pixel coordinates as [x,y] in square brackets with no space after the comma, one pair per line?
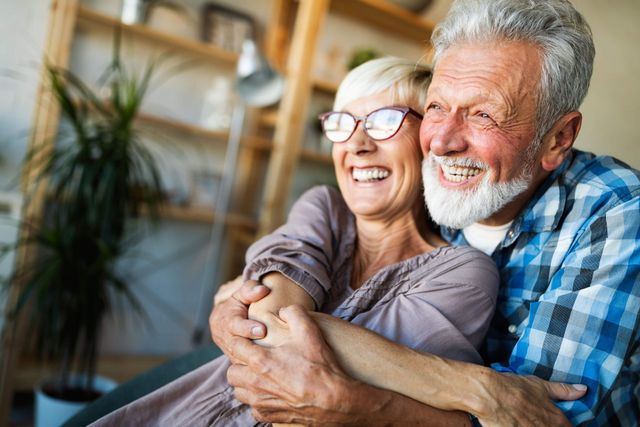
[210,52]
[315,156]
[181,127]
[254,142]
[386,16]
[203,215]
[268,118]
[325,86]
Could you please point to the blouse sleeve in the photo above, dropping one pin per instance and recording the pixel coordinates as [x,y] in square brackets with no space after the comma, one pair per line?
[305,248]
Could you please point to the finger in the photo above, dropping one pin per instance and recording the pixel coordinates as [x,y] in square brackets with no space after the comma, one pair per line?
[245,328]
[246,352]
[239,376]
[563,391]
[301,324]
[250,291]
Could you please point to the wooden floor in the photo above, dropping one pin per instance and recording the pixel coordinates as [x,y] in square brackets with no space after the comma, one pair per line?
[119,368]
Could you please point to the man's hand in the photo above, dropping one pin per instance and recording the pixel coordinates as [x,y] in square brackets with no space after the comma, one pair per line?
[230,327]
[227,289]
[299,381]
[525,401]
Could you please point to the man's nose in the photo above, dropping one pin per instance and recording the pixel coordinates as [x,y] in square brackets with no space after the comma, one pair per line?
[448,136]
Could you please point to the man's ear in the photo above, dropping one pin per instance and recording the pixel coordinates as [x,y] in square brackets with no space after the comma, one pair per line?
[558,141]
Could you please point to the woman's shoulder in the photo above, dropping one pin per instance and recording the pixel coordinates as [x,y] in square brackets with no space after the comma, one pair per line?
[326,199]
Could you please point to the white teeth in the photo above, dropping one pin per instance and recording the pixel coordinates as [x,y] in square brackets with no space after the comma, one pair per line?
[369,174]
[459,174]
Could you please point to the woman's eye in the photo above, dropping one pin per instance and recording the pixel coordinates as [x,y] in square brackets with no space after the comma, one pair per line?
[484,115]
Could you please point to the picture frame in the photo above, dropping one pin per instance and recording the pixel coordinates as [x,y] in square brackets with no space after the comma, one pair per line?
[226,28]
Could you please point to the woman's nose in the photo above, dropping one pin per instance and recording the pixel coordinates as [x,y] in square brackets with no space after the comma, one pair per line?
[359,142]
[447,136]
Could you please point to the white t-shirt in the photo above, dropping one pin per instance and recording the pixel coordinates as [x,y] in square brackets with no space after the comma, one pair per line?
[485,237]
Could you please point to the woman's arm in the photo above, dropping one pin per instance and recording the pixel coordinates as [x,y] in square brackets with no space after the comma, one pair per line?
[352,345]
[284,292]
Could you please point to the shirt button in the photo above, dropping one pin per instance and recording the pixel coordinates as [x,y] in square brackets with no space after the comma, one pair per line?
[512,329]
[510,234]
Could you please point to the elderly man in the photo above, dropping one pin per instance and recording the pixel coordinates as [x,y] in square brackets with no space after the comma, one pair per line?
[500,174]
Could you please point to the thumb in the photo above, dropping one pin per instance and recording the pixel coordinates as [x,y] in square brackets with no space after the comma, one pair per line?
[300,323]
[563,391]
[250,292]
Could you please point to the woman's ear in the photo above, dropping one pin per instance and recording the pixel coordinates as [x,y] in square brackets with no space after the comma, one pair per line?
[558,141]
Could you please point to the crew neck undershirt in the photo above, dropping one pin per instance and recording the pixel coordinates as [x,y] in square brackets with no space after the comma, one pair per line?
[485,237]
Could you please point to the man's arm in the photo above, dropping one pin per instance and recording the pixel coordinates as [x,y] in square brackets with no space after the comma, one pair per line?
[296,394]
[280,334]
[315,390]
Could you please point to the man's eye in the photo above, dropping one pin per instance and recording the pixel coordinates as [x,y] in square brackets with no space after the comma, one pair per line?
[432,107]
[484,115]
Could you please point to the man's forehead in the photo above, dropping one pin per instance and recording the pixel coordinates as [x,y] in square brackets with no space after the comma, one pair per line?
[482,68]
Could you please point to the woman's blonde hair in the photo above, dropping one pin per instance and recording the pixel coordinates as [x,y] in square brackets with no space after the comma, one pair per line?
[407,79]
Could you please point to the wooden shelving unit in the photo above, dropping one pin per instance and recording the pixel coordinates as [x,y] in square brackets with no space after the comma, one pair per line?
[210,52]
[120,368]
[325,86]
[288,145]
[215,136]
[387,17]
[204,215]
[315,156]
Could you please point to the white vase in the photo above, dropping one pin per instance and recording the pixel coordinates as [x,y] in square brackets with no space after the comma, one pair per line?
[53,412]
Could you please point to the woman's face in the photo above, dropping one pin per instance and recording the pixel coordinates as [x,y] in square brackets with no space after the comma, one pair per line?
[379,179]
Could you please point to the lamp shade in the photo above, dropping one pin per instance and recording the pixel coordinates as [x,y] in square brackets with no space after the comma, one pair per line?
[258,83]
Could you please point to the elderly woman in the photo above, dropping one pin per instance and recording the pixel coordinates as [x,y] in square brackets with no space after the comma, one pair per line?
[366,255]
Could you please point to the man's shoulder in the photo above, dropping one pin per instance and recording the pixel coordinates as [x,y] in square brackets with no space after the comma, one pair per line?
[589,175]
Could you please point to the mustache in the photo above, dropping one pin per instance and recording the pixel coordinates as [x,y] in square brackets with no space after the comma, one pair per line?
[463,162]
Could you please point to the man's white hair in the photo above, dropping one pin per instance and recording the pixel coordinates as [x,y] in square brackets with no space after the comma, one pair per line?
[554,26]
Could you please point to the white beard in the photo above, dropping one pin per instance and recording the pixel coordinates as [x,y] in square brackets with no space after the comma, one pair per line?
[461,208]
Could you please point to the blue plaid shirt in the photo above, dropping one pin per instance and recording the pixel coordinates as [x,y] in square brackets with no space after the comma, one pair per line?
[569,304]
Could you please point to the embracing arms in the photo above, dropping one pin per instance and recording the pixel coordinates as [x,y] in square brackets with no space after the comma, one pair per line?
[316,389]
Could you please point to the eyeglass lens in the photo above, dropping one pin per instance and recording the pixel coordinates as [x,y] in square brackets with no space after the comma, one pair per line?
[379,125]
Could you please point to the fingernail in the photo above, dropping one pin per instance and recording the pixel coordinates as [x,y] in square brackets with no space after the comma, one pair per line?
[580,387]
[256,331]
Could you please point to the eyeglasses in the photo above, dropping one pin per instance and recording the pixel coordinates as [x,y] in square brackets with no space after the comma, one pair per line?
[379,124]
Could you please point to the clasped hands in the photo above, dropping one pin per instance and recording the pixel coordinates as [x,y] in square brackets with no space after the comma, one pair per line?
[300,381]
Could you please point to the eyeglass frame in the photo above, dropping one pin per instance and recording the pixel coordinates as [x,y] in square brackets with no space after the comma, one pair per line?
[358,119]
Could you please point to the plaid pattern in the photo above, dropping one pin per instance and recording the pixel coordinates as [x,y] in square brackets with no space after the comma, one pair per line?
[569,304]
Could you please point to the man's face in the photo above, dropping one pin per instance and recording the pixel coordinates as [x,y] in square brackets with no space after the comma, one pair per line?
[478,131]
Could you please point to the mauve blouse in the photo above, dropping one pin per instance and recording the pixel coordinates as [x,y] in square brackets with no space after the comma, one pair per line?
[441,301]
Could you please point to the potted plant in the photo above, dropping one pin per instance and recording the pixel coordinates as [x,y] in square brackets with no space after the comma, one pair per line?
[97,175]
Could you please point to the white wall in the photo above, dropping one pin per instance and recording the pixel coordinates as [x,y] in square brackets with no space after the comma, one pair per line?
[612,107]
[23,25]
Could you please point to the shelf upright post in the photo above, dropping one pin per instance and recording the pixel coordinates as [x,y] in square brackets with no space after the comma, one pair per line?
[57,50]
[292,113]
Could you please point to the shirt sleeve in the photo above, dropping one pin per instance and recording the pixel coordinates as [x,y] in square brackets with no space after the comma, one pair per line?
[304,249]
[448,315]
[584,329]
